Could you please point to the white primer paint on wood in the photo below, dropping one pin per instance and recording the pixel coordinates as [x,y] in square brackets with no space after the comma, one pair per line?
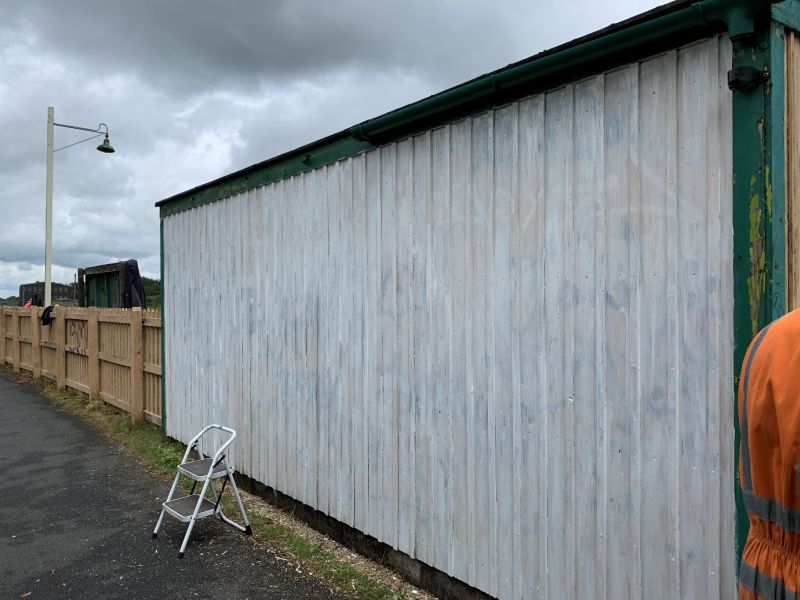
[503,346]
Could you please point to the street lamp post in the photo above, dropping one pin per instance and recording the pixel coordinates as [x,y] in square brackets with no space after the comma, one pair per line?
[105,146]
[48,211]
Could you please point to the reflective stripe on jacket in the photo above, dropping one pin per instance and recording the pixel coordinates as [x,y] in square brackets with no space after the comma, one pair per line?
[769,411]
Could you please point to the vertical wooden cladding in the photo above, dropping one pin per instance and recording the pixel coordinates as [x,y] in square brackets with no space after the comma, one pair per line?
[502,346]
[792,98]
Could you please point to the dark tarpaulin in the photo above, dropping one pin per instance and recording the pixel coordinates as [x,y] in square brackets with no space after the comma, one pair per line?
[134,288]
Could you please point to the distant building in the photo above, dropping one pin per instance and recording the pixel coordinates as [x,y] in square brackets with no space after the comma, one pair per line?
[58,291]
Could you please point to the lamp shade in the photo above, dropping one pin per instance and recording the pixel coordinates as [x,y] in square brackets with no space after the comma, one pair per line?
[106,146]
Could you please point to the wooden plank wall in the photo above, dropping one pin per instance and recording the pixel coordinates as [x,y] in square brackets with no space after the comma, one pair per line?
[503,346]
[95,351]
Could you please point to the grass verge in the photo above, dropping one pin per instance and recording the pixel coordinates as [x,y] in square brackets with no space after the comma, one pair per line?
[350,575]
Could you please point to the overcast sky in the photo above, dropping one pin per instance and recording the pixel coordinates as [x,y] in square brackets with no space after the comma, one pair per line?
[194,89]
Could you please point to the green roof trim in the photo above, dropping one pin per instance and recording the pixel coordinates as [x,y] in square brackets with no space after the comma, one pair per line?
[292,163]
[662,28]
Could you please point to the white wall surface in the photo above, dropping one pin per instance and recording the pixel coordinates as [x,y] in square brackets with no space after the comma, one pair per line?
[503,346]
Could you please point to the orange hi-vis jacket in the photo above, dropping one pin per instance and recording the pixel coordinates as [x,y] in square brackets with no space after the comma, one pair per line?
[769,411]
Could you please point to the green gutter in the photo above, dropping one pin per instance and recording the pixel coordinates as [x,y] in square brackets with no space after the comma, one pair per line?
[555,68]
[648,34]
[309,157]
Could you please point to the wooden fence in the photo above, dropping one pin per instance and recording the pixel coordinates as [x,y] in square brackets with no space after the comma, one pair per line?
[110,353]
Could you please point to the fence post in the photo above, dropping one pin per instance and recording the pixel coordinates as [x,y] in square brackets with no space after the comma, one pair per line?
[2,336]
[36,348]
[137,376]
[94,360]
[61,353]
[15,343]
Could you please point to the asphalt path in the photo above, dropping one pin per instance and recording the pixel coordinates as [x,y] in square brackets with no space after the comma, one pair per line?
[77,513]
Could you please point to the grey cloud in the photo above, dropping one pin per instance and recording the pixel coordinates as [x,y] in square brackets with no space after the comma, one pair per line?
[195,89]
[190,45]
[200,44]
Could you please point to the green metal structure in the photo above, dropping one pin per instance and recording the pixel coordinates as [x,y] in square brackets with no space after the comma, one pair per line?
[102,285]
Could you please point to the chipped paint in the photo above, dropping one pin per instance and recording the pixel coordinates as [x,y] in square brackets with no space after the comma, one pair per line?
[756,280]
[759,238]
[768,195]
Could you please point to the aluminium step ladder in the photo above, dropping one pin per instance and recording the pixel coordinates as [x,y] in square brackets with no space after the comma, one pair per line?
[188,509]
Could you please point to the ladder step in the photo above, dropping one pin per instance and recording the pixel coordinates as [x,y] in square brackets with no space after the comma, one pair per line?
[182,508]
[198,469]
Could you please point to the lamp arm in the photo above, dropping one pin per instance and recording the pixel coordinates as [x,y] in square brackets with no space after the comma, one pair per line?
[98,130]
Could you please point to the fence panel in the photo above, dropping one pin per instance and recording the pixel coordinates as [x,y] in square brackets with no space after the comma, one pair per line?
[48,347]
[7,328]
[114,354]
[24,335]
[115,382]
[25,329]
[76,347]
[151,364]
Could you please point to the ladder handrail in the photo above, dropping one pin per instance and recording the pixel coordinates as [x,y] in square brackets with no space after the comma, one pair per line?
[219,451]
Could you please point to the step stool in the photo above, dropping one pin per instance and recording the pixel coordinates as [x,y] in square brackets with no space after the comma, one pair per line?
[188,509]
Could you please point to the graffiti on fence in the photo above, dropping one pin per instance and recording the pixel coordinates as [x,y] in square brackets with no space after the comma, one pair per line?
[77,334]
